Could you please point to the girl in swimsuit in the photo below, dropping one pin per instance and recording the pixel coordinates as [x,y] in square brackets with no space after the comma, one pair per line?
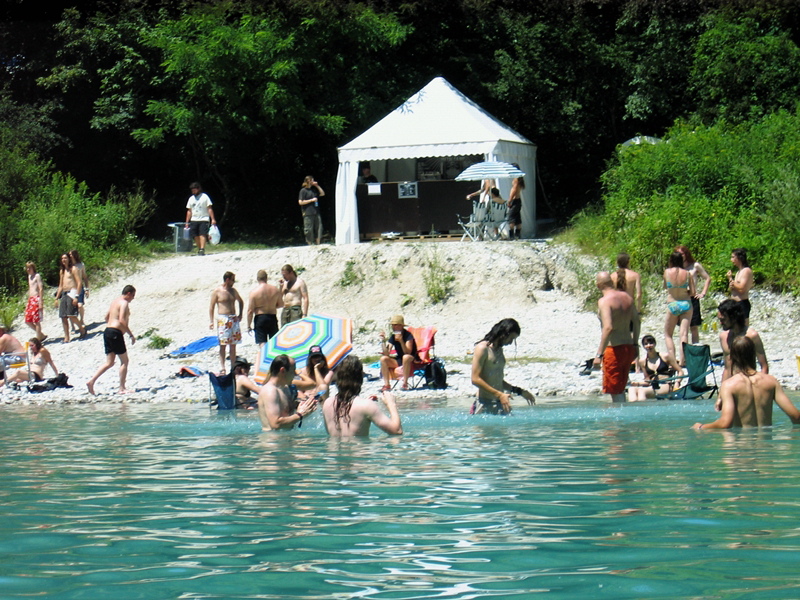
[39,359]
[244,385]
[316,377]
[654,366]
[680,289]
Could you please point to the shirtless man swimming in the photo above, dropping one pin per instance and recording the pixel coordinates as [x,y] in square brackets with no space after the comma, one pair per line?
[746,397]
[295,296]
[488,370]
[740,285]
[114,338]
[262,309]
[224,298]
[628,280]
[347,414]
[731,316]
[277,401]
[619,320]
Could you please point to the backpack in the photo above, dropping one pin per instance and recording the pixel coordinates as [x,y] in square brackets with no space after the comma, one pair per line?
[436,375]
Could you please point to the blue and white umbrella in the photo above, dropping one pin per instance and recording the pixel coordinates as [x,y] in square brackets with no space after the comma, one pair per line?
[489,170]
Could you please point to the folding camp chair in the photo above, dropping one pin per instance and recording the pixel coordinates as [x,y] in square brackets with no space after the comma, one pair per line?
[425,338]
[495,219]
[475,227]
[698,368]
[16,361]
[224,388]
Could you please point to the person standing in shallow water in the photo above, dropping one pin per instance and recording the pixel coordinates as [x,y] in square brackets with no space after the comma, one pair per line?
[117,326]
[488,370]
[348,414]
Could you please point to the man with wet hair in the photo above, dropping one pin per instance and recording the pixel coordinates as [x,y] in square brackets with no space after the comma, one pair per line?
[277,401]
[746,397]
[731,316]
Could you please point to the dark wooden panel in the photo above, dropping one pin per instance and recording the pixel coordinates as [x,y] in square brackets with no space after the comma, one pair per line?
[437,205]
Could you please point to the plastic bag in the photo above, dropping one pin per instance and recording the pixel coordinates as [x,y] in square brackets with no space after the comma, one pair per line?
[214,235]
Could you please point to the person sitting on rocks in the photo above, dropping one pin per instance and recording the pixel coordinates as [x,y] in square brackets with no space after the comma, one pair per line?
[40,358]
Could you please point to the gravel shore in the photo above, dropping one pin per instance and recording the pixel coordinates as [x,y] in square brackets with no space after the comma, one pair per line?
[542,285]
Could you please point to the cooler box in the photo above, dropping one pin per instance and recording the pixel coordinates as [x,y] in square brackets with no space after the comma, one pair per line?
[180,237]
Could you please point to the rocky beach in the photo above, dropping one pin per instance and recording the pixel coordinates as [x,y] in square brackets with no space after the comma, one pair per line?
[545,286]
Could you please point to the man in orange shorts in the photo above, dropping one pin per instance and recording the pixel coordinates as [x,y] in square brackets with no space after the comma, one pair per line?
[619,320]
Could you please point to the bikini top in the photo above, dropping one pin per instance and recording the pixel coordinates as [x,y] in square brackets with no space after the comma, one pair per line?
[685,284]
[661,369]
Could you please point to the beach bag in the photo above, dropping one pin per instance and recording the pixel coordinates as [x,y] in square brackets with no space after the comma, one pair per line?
[436,375]
[214,235]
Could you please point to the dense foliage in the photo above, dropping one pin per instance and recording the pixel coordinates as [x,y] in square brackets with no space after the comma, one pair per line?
[249,97]
[712,188]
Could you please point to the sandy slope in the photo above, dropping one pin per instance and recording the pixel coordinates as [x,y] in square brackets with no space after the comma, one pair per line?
[536,283]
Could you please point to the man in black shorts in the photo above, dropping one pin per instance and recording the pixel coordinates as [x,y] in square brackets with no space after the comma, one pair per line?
[262,309]
[114,338]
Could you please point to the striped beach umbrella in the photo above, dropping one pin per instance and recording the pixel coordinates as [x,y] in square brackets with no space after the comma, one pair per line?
[333,334]
[489,170]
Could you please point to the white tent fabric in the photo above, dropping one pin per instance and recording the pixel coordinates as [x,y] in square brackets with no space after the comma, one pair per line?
[436,121]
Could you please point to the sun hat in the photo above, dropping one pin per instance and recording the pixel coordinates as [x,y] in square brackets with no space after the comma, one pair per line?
[397,320]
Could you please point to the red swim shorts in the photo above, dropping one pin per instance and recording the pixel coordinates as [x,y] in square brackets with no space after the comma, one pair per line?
[616,367]
[33,312]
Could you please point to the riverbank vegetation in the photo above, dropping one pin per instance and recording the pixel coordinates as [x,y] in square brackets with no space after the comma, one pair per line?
[108,111]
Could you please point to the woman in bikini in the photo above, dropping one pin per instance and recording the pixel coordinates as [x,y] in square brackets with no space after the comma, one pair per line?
[246,389]
[39,359]
[655,366]
[316,377]
[680,289]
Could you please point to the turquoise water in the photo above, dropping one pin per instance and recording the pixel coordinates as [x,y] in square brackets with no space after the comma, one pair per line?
[576,499]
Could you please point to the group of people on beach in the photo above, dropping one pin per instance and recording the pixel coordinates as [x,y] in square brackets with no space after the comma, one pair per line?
[745,396]
[489,199]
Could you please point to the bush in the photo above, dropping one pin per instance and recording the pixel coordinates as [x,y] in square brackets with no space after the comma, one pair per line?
[711,188]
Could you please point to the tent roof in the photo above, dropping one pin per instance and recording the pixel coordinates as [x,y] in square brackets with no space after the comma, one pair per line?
[436,121]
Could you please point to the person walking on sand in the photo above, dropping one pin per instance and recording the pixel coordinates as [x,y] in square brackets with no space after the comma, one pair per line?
[347,414]
[741,285]
[295,296]
[35,307]
[262,309]
[628,280]
[278,407]
[731,316]
[308,199]
[746,397]
[70,286]
[488,370]
[117,326]
[224,299]
[619,321]
[199,216]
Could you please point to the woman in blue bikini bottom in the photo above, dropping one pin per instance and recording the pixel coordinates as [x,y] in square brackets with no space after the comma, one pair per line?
[679,307]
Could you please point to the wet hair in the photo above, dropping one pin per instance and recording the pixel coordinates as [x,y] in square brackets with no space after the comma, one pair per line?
[687,255]
[349,378]
[282,361]
[676,260]
[622,280]
[75,256]
[500,331]
[743,354]
[70,264]
[261,275]
[741,254]
[648,339]
[623,260]
[30,265]
[733,311]
[128,289]
[228,275]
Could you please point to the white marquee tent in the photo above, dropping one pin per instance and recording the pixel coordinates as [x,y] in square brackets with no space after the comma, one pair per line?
[437,121]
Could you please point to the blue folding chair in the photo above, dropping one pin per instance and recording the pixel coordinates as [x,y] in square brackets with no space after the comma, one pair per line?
[224,387]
